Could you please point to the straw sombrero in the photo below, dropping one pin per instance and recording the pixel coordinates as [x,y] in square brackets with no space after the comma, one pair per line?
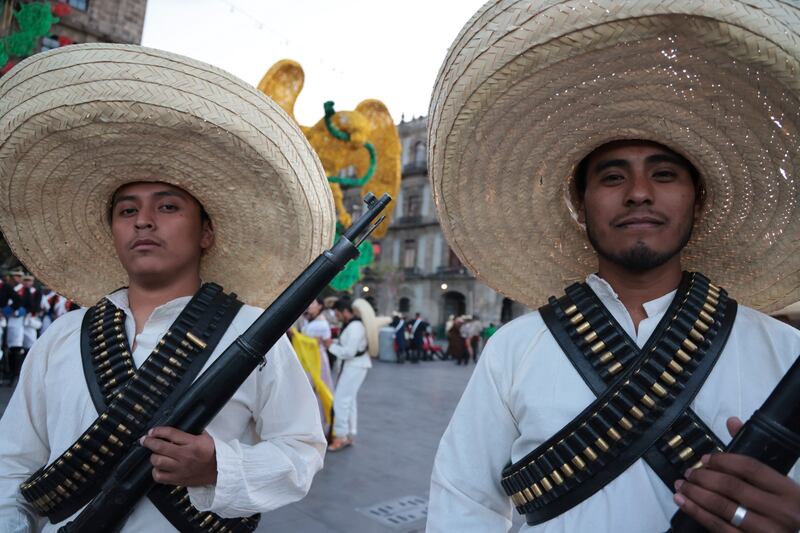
[530,88]
[78,122]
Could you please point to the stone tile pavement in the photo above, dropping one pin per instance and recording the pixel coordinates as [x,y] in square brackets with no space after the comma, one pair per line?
[379,485]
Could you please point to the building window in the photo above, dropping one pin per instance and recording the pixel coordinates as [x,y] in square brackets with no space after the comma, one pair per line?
[420,154]
[80,5]
[412,204]
[409,253]
[404,305]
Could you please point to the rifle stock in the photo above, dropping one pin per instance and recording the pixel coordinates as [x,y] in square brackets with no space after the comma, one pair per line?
[131,479]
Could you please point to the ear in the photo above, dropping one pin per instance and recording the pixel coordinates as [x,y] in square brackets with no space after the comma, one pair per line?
[206,236]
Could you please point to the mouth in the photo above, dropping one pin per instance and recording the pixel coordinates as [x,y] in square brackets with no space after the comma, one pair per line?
[639,222]
[143,244]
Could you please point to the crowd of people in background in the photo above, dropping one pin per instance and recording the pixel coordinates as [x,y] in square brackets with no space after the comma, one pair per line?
[414,340]
[26,310]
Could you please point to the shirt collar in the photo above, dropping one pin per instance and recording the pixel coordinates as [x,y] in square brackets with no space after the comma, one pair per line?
[167,310]
[605,292]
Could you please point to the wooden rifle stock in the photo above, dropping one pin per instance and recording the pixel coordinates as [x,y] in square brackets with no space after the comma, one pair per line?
[131,479]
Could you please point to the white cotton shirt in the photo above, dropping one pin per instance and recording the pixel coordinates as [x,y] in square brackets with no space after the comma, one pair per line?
[319,329]
[352,340]
[524,389]
[269,443]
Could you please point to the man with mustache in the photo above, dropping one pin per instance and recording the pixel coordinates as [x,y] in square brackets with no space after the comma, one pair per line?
[621,150]
[169,189]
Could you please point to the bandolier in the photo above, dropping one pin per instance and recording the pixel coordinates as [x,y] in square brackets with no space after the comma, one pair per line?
[130,400]
[642,401]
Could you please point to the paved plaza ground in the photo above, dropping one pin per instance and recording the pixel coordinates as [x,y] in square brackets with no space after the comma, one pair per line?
[379,485]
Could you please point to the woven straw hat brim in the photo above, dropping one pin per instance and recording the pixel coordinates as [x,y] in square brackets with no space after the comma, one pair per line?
[78,122]
[530,88]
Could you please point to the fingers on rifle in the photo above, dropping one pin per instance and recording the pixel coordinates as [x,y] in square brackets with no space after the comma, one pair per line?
[754,472]
[171,434]
[736,490]
[711,510]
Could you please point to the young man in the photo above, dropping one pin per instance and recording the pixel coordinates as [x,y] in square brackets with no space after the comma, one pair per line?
[605,154]
[175,202]
[352,363]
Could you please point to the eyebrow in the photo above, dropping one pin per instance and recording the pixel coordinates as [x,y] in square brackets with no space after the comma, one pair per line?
[649,160]
[159,194]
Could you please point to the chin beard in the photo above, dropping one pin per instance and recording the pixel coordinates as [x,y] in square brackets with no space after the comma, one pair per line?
[640,257]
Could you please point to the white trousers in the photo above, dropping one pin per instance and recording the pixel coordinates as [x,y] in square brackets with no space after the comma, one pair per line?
[28,337]
[15,332]
[344,400]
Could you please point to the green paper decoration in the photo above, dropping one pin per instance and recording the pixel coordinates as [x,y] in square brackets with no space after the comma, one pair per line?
[351,274]
[35,21]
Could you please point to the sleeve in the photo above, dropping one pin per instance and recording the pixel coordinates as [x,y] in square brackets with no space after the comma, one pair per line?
[348,344]
[25,418]
[466,494]
[254,478]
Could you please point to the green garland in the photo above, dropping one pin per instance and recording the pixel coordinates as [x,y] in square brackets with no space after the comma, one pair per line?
[344,136]
[34,21]
[351,274]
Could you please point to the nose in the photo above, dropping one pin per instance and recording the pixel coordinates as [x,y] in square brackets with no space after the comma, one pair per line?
[144,220]
[640,189]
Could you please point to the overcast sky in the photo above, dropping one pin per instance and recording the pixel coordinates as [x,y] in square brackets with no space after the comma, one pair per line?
[350,50]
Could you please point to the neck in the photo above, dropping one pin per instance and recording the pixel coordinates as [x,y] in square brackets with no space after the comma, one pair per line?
[636,288]
[145,295]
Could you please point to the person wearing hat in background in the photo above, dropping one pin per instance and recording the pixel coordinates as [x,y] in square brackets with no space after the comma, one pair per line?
[637,147]
[32,301]
[186,174]
[417,346]
[400,344]
[352,362]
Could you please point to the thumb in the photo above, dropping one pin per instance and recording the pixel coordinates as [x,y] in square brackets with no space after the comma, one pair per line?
[734,425]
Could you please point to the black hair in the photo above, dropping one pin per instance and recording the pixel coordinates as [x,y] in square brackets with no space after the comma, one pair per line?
[343,303]
[582,169]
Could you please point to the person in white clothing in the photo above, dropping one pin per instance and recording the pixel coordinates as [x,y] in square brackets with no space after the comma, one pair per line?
[622,148]
[317,326]
[352,363]
[173,202]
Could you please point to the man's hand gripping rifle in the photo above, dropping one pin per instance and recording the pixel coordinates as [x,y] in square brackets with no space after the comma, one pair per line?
[132,478]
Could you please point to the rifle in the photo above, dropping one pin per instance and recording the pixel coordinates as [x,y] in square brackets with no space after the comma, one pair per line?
[772,435]
[131,479]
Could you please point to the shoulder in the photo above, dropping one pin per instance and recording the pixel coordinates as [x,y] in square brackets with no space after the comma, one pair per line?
[758,322]
[516,340]
[65,325]
[756,326]
[245,318]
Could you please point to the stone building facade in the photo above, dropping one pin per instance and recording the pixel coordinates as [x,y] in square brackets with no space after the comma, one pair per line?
[89,21]
[111,21]
[416,270]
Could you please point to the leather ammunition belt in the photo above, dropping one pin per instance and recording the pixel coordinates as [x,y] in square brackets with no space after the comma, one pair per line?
[643,397]
[129,400]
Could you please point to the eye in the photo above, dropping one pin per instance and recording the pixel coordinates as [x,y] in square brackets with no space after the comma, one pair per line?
[665,174]
[611,178]
[126,211]
[168,208]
